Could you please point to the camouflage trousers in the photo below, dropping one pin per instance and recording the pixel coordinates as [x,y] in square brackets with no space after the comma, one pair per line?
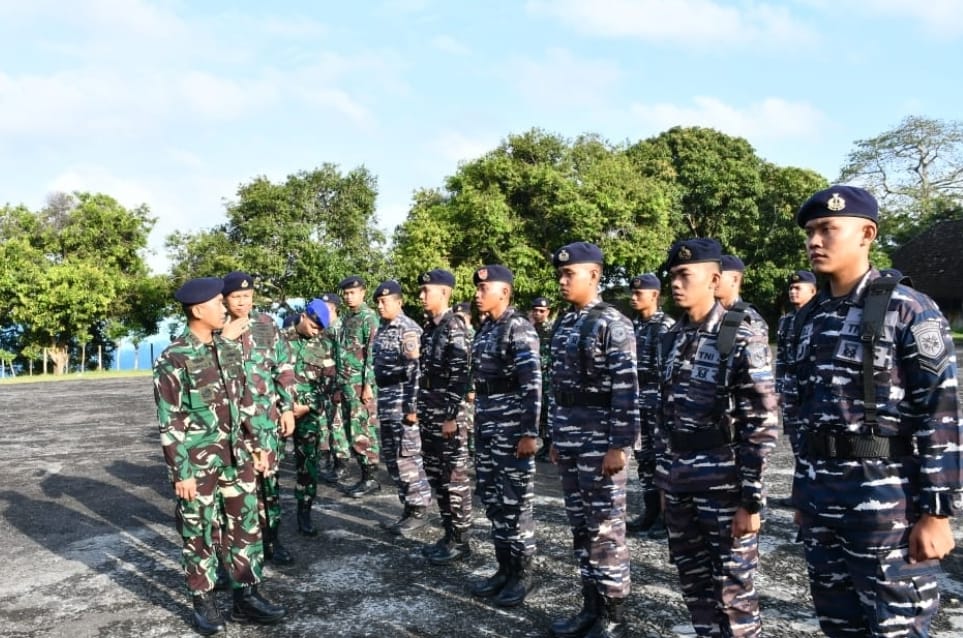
[446,466]
[268,483]
[644,451]
[506,487]
[307,436]
[401,453]
[715,570]
[361,423]
[332,435]
[863,584]
[595,505]
[222,518]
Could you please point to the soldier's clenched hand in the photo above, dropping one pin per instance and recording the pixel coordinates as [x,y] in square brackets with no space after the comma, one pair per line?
[448,428]
[234,328]
[613,462]
[931,537]
[186,489]
[527,446]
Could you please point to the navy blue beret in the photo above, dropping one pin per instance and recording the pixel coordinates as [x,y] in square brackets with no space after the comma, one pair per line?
[389,287]
[199,290]
[648,281]
[237,280]
[354,281]
[317,311]
[802,277]
[464,307]
[437,277]
[731,262]
[494,272]
[694,251]
[580,252]
[331,298]
[839,201]
[540,302]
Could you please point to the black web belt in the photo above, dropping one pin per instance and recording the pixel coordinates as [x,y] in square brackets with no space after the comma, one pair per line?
[699,441]
[390,379]
[570,399]
[433,382]
[485,387]
[857,446]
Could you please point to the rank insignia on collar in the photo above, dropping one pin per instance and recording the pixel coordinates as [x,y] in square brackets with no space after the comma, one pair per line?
[836,203]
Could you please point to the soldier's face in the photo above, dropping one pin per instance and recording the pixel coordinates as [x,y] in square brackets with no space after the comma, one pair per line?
[489,294]
[539,315]
[644,300]
[694,285]
[239,303]
[578,283]
[332,311]
[210,313]
[308,327]
[800,294]
[836,244]
[353,297]
[433,297]
[728,284]
[389,307]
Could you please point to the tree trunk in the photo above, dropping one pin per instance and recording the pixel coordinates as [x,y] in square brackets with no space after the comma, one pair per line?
[60,358]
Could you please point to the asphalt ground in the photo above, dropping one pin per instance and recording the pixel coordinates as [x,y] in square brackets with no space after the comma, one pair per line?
[89,546]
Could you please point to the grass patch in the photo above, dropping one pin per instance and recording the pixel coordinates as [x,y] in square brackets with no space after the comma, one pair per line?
[92,375]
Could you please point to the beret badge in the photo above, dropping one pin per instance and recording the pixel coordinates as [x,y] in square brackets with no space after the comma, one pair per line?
[795,277]
[836,203]
[563,255]
[483,273]
[426,277]
[384,291]
[244,284]
[685,253]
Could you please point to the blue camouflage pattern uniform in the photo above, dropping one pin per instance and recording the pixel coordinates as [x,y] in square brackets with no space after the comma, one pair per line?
[508,395]
[648,349]
[786,383]
[395,360]
[857,513]
[443,385]
[710,460]
[594,408]
[544,331]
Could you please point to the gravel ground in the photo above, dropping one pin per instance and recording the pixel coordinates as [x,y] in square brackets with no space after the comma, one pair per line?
[89,547]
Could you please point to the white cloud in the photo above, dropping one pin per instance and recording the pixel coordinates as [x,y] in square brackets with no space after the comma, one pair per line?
[448,44]
[770,119]
[562,80]
[943,17]
[688,22]
[454,146]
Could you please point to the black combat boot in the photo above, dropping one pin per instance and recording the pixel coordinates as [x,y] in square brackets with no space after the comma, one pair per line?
[519,583]
[336,473]
[577,625]
[368,484]
[457,548]
[207,617]
[274,551]
[252,606]
[414,518]
[610,623]
[305,526]
[439,544]
[648,518]
[494,583]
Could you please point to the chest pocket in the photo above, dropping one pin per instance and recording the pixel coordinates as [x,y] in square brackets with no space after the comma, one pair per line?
[205,383]
[264,339]
[387,348]
[489,355]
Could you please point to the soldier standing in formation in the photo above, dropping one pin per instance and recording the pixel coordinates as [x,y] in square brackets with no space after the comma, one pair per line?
[443,386]
[729,292]
[356,392]
[463,309]
[313,355]
[595,420]
[650,325]
[539,315]
[718,428]
[211,454]
[802,288]
[879,470]
[508,387]
[270,378]
[335,450]
[397,349]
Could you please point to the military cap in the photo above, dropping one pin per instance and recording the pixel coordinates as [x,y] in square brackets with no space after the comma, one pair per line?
[354,281]
[802,277]
[317,311]
[386,288]
[237,280]
[732,263]
[199,290]
[839,201]
[437,277]
[540,302]
[694,251]
[493,272]
[580,252]
[648,281]
[463,307]
[331,298]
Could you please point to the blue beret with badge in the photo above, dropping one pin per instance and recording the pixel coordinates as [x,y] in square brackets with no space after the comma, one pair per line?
[839,201]
[494,272]
[331,298]
[353,281]
[386,288]
[199,290]
[647,281]
[317,311]
[540,302]
[579,252]
[732,263]
[437,277]
[694,251]
[802,277]
[237,280]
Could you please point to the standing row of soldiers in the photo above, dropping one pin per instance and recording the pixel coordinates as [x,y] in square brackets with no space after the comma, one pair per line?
[877,438]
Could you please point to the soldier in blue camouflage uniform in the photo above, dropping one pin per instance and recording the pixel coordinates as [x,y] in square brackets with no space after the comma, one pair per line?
[313,355]
[595,421]
[212,454]
[802,288]
[540,316]
[650,324]
[270,378]
[397,349]
[875,481]
[443,386]
[719,425]
[463,309]
[335,451]
[508,388]
[729,291]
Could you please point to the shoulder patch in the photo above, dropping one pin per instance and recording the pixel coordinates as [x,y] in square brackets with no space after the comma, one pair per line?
[930,345]
[619,333]
[758,355]
[411,345]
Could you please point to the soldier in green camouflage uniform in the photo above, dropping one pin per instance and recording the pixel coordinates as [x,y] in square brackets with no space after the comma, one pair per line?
[356,382]
[270,378]
[212,455]
[335,451]
[539,316]
[313,354]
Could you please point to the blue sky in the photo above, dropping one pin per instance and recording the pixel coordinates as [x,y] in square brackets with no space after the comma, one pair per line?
[174,104]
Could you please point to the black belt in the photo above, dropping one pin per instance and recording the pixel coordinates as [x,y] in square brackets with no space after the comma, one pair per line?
[433,382]
[574,398]
[857,446]
[699,441]
[485,387]
[390,379]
